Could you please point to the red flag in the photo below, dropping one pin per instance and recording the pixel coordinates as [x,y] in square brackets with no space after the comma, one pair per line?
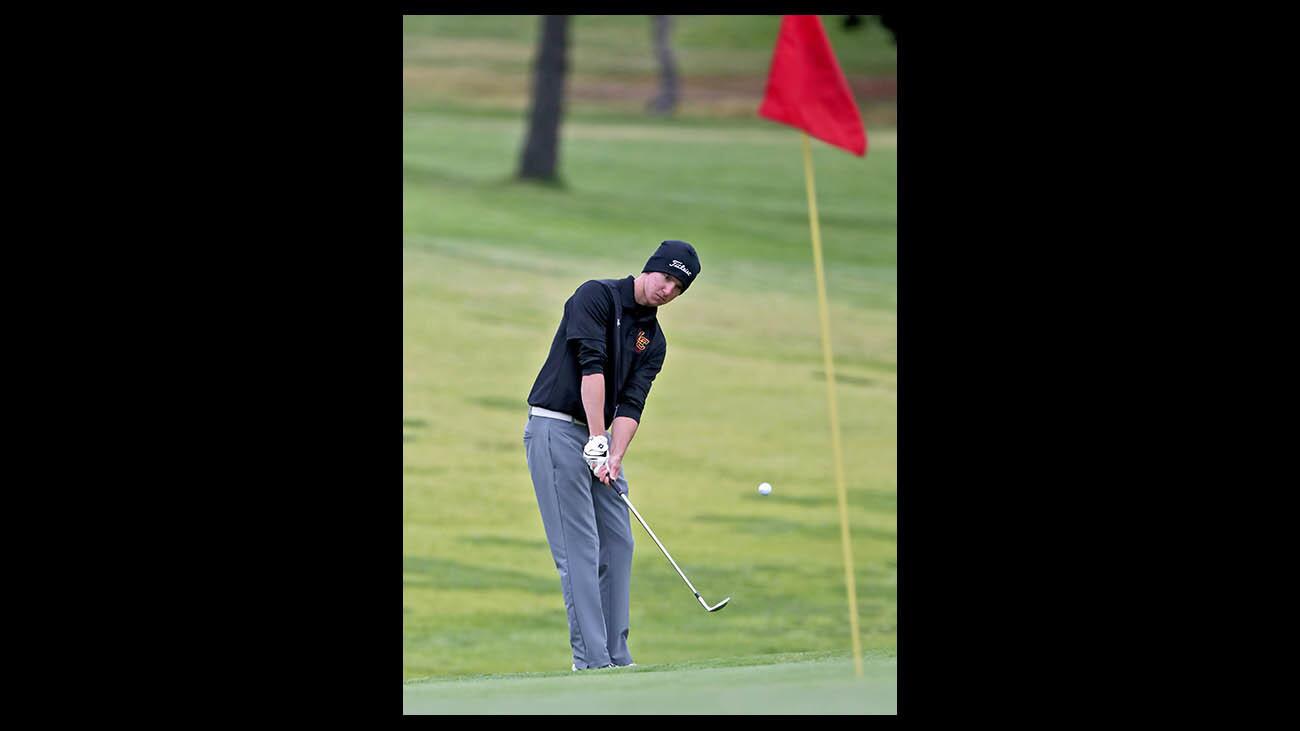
[807,89]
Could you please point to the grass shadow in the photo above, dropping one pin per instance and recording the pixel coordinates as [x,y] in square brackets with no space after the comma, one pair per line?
[760,525]
[445,574]
[499,403]
[506,541]
[869,500]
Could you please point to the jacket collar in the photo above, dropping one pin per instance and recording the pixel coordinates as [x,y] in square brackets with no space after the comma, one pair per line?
[627,287]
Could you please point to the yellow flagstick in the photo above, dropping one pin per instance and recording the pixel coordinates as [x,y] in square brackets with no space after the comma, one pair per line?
[824,312]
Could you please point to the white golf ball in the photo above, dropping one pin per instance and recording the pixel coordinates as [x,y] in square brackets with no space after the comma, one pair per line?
[764,489]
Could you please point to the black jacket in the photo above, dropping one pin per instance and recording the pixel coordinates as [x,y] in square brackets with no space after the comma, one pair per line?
[603,330]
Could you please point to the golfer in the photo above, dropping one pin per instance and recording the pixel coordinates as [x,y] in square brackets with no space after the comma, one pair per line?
[584,409]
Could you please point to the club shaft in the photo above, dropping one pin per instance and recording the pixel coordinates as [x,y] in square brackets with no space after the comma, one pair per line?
[661,548]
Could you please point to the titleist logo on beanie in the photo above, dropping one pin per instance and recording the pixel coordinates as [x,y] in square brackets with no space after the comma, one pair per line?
[677,258]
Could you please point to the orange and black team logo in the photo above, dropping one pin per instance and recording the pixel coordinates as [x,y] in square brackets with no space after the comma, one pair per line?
[641,341]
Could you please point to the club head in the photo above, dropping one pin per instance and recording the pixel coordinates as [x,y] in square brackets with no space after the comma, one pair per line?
[719,605]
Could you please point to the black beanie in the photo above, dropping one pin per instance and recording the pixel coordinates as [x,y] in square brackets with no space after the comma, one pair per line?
[677,258]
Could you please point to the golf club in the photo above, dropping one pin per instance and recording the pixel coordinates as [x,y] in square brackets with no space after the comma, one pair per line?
[703,603]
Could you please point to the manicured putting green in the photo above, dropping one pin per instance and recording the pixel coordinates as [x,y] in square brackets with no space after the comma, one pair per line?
[821,686]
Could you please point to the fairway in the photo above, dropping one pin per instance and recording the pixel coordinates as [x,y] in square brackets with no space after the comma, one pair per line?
[825,686]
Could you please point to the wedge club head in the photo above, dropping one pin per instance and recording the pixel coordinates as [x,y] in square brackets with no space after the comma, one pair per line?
[715,607]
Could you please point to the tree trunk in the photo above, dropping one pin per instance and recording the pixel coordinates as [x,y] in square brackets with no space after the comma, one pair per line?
[542,145]
[666,102]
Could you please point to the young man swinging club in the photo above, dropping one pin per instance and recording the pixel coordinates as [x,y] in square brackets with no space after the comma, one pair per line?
[606,353]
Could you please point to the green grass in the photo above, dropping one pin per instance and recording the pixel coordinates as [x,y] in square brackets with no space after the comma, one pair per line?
[814,683]
[483,63]
[487,265]
[709,44]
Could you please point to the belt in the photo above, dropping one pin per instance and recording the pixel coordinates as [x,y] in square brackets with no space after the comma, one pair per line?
[539,411]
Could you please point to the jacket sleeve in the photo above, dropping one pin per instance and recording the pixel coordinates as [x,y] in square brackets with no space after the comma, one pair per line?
[588,322]
[632,402]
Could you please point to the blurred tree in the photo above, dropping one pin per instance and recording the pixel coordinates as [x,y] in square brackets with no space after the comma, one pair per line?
[666,102]
[852,21]
[540,156]
[891,22]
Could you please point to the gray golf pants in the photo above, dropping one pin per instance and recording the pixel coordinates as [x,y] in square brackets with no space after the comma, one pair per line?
[590,533]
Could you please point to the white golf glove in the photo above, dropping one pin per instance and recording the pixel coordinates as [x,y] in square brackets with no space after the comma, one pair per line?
[596,452]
